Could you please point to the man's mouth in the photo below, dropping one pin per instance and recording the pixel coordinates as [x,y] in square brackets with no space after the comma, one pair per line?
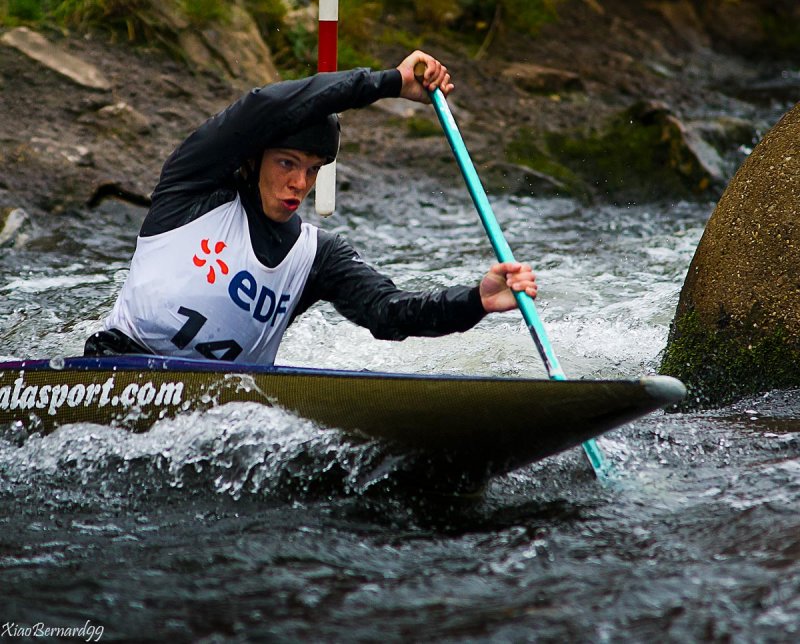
[290,204]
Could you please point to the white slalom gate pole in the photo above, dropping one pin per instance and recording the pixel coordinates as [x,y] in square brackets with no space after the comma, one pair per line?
[325,193]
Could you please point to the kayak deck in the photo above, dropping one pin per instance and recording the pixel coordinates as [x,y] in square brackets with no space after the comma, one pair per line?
[486,424]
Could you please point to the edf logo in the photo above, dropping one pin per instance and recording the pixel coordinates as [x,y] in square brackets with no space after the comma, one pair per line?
[211,275]
[244,291]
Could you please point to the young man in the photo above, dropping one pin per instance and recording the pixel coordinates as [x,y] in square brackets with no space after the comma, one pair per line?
[223,264]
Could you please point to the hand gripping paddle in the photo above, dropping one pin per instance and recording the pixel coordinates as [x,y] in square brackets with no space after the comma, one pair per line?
[503,253]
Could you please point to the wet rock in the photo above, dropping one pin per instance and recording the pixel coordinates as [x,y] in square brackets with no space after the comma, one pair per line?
[410,110]
[115,190]
[695,162]
[119,119]
[15,224]
[706,163]
[784,88]
[399,107]
[46,175]
[542,80]
[726,131]
[37,47]
[78,155]
[124,114]
[173,88]
[736,330]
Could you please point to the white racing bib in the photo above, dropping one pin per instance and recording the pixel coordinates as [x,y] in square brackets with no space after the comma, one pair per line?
[199,291]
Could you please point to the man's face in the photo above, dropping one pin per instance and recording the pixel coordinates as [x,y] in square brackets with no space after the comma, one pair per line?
[285,179]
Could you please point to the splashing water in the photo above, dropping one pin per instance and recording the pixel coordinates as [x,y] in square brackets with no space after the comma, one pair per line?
[249,523]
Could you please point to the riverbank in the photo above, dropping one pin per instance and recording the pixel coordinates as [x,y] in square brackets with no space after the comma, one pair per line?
[610,102]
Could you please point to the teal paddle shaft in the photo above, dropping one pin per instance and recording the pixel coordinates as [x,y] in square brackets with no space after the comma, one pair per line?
[504,254]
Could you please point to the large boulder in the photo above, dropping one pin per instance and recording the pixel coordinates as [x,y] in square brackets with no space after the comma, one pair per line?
[736,330]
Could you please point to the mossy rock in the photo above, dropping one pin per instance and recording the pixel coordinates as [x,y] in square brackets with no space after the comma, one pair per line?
[642,154]
[526,150]
[736,330]
[420,127]
[720,366]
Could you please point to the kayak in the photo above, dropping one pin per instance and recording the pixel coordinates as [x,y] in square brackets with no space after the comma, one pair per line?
[485,425]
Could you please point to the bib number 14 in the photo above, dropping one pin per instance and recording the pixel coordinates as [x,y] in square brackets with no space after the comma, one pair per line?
[216,350]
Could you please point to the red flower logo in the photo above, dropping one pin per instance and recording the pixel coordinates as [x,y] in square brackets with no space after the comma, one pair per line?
[211,275]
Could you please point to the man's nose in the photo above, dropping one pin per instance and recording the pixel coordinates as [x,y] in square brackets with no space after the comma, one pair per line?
[298,180]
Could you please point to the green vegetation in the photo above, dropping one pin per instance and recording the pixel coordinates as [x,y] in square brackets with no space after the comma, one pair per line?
[15,12]
[719,366]
[420,128]
[203,12]
[628,160]
[362,24]
[525,149]
[129,17]
[784,33]
[640,154]
[525,16]
[89,13]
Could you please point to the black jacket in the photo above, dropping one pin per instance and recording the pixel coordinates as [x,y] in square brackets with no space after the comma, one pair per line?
[203,173]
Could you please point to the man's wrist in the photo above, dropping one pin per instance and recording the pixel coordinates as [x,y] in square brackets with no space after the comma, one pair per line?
[391,82]
[475,300]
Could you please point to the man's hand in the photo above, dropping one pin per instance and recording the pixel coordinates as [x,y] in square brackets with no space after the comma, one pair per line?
[436,75]
[498,286]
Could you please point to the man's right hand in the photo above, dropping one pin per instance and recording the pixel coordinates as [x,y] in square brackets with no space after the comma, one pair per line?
[436,75]
[499,284]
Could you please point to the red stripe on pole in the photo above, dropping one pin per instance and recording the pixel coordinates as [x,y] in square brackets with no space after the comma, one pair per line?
[326,58]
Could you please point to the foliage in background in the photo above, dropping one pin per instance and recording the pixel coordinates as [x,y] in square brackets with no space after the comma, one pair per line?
[363,24]
[117,16]
[14,12]
[785,32]
[128,17]
[525,16]
[359,22]
[270,15]
[410,24]
[203,12]
[366,26]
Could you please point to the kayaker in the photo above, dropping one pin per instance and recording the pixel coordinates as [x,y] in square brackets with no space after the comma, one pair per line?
[223,263]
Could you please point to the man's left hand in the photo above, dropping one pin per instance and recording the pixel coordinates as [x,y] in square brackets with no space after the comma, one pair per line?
[436,75]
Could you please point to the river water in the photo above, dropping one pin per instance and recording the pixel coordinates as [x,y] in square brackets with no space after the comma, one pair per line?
[250,524]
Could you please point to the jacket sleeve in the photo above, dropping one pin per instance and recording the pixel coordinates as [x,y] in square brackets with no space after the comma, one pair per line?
[369,299]
[206,161]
